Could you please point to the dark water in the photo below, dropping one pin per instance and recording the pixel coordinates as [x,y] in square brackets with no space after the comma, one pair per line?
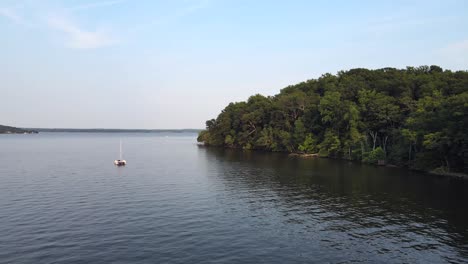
[63,201]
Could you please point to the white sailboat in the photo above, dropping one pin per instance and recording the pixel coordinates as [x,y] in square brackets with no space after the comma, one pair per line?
[120,161]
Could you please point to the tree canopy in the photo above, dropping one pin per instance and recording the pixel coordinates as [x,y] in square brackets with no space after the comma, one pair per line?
[415,117]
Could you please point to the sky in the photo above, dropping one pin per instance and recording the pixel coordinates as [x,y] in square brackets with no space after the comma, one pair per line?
[175,64]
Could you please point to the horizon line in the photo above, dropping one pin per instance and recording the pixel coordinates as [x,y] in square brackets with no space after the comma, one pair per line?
[147,129]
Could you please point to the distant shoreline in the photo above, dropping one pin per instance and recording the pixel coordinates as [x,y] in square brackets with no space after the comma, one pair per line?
[114,130]
[15,130]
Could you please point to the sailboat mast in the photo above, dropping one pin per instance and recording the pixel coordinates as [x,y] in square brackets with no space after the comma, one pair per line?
[120,150]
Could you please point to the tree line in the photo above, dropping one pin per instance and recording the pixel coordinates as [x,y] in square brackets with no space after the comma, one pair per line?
[15,130]
[415,117]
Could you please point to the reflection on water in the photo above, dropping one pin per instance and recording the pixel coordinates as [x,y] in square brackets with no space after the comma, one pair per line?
[63,201]
[387,212]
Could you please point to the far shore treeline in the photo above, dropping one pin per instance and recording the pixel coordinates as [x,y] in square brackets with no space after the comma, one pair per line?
[415,117]
[116,130]
[15,130]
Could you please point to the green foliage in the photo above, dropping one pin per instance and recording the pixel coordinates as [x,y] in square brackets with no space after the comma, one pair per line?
[416,117]
[299,132]
[284,140]
[374,156]
[204,136]
[330,145]
[266,139]
[247,146]
[330,108]
[229,141]
[309,145]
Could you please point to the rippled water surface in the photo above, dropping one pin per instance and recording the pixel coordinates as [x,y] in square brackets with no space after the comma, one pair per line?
[63,201]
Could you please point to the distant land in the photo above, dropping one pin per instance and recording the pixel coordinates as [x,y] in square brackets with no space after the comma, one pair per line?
[15,130]
[114,130]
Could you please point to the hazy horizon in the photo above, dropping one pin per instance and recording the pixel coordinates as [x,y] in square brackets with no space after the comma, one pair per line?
[112,128]
[173,65]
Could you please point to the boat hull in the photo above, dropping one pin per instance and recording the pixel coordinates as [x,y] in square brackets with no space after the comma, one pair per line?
[120,162]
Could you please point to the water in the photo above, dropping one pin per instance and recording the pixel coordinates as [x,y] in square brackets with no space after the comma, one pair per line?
[63,201]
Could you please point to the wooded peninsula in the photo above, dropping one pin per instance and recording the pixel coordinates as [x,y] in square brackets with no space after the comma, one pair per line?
[15,130]
[415,117]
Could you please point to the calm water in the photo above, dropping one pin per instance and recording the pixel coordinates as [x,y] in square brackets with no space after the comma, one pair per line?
[63,201]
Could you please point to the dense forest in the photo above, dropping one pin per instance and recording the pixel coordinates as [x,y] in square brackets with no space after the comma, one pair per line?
[415,117]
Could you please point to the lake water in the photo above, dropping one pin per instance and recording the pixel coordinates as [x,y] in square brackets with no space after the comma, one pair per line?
[63,201]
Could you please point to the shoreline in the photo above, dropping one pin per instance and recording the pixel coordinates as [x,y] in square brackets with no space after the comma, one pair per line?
[18,133]
[453,175]
[457,175]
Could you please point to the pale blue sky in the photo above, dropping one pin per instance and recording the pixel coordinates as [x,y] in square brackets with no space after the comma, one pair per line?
[175,64]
